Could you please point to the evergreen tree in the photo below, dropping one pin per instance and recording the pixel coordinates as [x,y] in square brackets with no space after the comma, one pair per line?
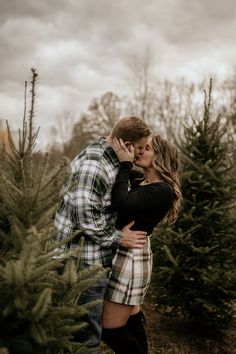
[29,186]
[39,311]
[196,258]
[38,306]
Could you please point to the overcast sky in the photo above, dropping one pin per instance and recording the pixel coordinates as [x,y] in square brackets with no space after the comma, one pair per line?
[80,47]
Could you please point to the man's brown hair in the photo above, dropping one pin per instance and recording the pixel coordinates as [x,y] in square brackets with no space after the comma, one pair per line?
[130,129]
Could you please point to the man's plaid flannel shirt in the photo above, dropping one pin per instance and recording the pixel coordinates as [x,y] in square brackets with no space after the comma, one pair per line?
[86,204]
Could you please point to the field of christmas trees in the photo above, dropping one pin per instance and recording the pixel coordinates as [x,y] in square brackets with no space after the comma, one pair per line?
[190,307]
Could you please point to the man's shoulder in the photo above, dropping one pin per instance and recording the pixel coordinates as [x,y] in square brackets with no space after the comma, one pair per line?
[95,152]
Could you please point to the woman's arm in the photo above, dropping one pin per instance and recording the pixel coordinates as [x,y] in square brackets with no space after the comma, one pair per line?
[139,199]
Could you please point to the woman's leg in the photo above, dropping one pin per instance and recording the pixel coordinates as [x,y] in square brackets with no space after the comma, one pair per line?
[115,333]
[115,315]
[135,326]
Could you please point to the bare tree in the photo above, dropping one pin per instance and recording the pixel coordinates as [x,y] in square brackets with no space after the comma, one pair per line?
[229,107]
[163,104]
[142,82]
[61,131]
[103,112]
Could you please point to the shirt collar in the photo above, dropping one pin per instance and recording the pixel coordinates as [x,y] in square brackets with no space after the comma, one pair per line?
[109,151]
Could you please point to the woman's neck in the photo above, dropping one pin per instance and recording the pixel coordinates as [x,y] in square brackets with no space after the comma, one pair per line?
[151,176]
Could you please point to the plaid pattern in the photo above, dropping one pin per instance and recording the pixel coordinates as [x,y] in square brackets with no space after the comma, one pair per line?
[86,204]
[130,275]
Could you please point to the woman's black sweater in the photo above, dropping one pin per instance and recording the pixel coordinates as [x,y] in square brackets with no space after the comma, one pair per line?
[145,204]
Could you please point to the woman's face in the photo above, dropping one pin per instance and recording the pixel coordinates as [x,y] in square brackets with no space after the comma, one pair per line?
[145,160]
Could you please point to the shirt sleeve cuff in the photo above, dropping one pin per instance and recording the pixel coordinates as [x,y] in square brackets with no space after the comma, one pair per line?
[117,239]
[126,165]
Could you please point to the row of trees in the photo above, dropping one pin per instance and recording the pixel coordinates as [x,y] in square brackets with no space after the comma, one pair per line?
[194,259]
[165,105]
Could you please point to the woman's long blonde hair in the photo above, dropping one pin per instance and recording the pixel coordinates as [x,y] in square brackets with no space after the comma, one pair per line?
[167,164]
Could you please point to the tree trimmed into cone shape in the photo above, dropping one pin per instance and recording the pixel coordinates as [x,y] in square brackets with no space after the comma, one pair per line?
[196,258]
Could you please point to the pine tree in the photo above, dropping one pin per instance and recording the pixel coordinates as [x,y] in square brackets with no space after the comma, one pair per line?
[29,186]
[38,306]
[196,258]
[39,311]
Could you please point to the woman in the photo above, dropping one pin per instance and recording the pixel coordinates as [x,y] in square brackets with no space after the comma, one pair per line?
[154,197]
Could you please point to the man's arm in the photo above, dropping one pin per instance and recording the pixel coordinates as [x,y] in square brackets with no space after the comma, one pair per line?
[63,224]
[81,209]
[90,187]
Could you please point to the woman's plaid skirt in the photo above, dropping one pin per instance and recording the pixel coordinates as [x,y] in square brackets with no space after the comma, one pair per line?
[130,275]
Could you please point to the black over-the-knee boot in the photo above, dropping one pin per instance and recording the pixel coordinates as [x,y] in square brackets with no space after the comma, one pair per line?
[121,341]
[135,326]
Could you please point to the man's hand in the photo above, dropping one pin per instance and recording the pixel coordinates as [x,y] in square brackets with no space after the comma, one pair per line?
[133,239]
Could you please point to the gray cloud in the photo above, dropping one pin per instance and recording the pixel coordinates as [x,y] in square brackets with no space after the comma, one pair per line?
[198,22]
[81,47]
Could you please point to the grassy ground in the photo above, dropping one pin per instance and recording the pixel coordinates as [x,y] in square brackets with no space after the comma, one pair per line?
[172,337]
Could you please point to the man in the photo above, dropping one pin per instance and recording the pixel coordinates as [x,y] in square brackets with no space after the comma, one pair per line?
[86,206]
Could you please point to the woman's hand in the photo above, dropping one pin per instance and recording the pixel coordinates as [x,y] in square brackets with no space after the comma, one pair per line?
[123,152]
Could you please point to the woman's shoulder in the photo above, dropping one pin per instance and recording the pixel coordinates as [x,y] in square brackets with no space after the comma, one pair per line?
[160,188]
[160,194]
[160,185]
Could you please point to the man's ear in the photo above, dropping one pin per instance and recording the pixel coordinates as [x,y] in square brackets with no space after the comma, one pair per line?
[127,144]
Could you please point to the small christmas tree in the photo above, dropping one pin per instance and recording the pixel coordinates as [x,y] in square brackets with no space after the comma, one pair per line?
[29,186]
[39,311]
[196,258]
[38,306]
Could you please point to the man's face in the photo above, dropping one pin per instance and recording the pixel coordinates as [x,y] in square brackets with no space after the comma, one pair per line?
[139,147]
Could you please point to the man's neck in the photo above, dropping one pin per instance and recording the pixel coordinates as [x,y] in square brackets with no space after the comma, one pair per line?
[109,140]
